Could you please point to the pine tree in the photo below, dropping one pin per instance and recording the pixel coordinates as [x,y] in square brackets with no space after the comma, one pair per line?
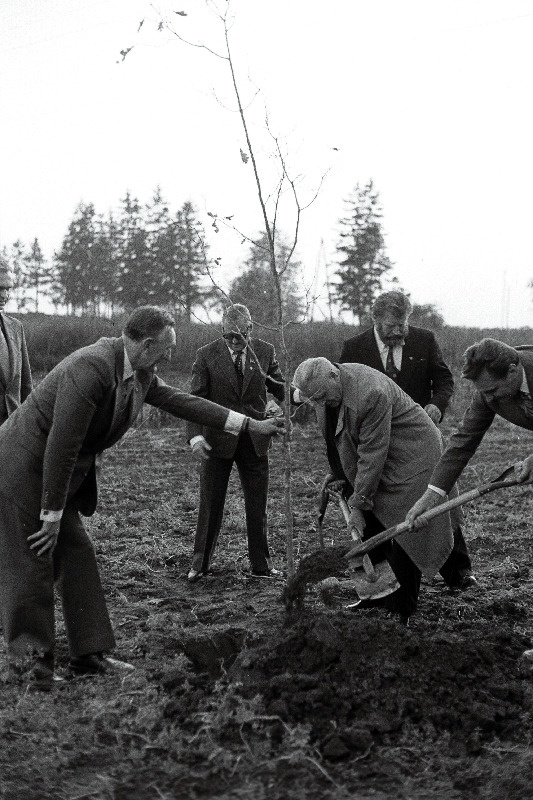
[77,264]
[39,275]
[361,242]
[17,259]
[135,282]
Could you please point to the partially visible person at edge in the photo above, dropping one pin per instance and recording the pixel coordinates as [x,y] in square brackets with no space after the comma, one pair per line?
[83,406]
[383,447]
[502,377]
[235,371]
[15,373]
[411,356]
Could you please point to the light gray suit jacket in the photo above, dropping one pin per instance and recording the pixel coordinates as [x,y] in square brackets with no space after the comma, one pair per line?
[16,385]
[388,447]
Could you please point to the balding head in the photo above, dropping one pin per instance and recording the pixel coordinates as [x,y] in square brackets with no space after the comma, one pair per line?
[319,380]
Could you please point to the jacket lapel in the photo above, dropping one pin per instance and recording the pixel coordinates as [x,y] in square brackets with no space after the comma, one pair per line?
[225,361]
[373,351]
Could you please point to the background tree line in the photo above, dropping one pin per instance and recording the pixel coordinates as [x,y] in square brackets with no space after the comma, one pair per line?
[147,254]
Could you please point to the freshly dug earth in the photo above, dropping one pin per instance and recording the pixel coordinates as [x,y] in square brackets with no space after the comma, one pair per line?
[234,697]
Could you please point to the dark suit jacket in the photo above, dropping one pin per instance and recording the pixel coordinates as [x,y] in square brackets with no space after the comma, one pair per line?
[424,376]
[214,377]
[477,419]
[50,441]
[16,385]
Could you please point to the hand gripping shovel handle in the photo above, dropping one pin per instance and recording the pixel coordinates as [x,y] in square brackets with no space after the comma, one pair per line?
[368,567]
[461,499]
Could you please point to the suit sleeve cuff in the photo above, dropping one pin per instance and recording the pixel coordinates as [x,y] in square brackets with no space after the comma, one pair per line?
[50,516]
[234,423]
[436,489]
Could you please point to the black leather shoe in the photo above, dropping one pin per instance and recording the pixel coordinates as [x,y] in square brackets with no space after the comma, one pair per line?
[468,582]
[266,573]
[97,664]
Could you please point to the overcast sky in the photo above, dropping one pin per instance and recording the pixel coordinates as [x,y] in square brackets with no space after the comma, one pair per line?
[429,98]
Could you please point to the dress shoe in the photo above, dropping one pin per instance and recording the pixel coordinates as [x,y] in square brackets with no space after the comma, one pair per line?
[97,664]
[195,575]
[468,582]
[266,573]
[39,676]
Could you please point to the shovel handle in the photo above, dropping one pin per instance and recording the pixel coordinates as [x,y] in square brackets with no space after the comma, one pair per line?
[403,527]
[368,566]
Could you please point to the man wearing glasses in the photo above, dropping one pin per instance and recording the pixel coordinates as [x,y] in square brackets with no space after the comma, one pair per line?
[15,375]
[235,371]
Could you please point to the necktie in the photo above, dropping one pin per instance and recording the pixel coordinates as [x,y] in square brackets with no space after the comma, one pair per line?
[238,369]
[390,367]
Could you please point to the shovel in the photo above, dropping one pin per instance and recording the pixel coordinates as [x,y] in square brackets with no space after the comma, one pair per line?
[500,482]
[370,581]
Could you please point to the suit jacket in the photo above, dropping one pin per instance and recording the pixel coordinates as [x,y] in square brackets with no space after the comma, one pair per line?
[388,447]
[215,378]
[50,442]
[424,376]
[16,385]
[476,420]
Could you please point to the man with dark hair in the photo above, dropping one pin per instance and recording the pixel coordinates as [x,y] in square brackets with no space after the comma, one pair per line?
[15,373]
[503,381]
[412,357]
[235,371]
[83,406]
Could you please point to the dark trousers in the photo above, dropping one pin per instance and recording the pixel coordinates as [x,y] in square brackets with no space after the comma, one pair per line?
[458,563]
[404,600]
[214,477]
[27,587]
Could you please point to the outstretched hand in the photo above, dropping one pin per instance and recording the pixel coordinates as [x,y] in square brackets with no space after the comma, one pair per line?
[272,426]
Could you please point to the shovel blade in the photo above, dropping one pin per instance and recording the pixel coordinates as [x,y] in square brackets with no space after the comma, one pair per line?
[383,583]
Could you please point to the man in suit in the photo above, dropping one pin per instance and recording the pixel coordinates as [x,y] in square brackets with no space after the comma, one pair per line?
[83,406]
[15,374]
[235,371]
[502,377]
[384,447]
[412,357]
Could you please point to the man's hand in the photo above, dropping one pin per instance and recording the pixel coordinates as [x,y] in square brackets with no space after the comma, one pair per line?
[429,500]
[433,413]
[523,470]
[45,539]
[356,522]
[273,426]
[332,484]
[200,449]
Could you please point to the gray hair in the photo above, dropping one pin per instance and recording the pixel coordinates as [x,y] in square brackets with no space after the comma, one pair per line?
[236,314]
[395,302]
[311,375]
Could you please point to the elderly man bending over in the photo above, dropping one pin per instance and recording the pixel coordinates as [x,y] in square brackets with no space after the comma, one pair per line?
[384,446]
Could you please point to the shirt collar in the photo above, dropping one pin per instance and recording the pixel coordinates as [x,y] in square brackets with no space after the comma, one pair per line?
[128,369]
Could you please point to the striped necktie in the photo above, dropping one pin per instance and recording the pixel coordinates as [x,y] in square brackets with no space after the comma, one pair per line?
[237,360]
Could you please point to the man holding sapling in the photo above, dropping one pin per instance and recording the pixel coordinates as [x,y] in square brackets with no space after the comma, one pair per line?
[83,406]
[236,371]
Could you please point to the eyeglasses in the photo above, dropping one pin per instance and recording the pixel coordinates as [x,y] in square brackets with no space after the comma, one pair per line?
[238,335]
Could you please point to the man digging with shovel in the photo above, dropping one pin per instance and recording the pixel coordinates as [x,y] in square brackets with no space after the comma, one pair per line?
[383,447]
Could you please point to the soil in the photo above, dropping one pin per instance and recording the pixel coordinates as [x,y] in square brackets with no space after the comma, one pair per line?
[234,696]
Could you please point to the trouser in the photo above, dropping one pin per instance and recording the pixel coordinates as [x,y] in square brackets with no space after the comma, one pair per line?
[27,587]
[214,478]
[404,600]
